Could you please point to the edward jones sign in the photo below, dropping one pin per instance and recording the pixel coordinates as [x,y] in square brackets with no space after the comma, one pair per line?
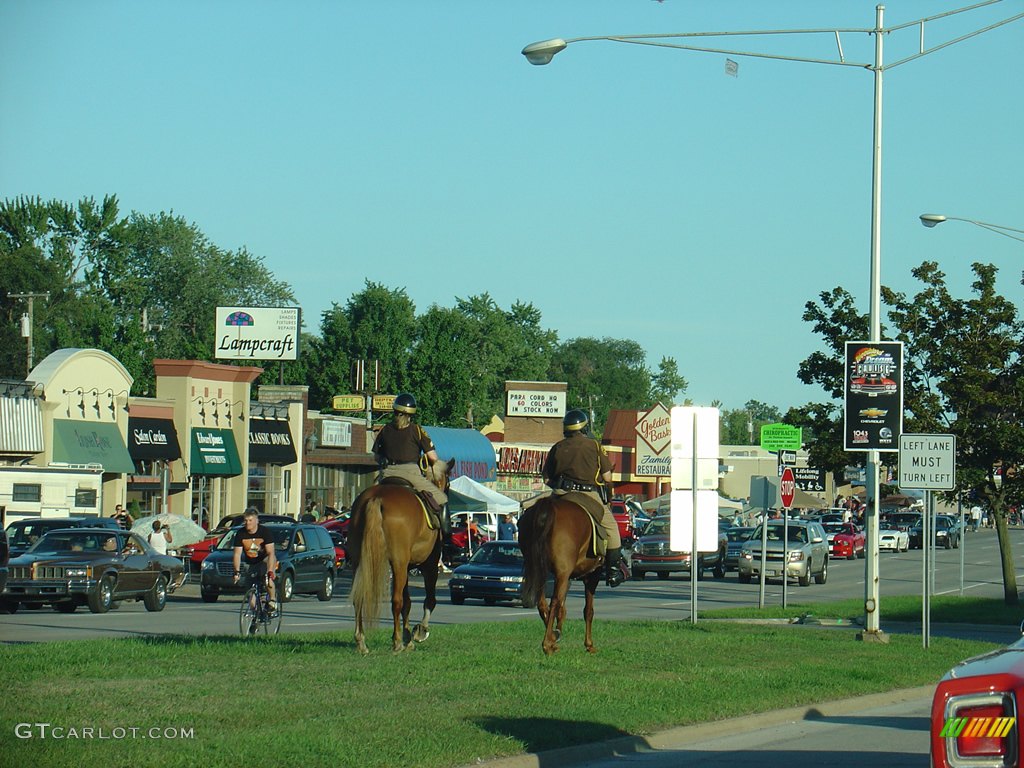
[257,333]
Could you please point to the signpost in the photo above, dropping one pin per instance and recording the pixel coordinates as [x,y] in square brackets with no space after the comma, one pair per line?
[787,491]
[927,463]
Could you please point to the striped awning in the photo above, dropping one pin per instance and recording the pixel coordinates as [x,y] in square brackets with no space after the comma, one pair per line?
[21,426]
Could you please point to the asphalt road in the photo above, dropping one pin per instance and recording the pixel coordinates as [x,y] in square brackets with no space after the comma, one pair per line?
[652,598]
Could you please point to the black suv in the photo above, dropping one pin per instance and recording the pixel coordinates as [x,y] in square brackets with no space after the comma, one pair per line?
[305,558]
[22,534]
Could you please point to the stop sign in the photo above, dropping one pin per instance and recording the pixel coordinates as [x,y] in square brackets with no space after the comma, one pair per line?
[787,488]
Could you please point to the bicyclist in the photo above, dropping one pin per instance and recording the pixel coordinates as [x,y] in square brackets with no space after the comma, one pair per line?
[257,545]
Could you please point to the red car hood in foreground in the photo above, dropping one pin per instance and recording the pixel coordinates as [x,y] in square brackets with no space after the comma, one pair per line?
[988,686]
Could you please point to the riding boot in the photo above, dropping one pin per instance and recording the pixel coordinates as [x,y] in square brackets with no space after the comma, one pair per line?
[445,521]
[615,567]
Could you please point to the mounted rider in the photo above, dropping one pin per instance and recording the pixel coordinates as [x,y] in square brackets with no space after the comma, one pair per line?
[404,450]
[578,463]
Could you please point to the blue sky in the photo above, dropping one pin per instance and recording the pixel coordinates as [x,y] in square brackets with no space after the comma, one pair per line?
[625,191]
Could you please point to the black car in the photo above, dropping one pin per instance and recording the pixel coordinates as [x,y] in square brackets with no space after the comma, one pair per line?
[947,533]
[4,556]
[737,534]
[493,573]
[305,557]
[22,534]
[902,521]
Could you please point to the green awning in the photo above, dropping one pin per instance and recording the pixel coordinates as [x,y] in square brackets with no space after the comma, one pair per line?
[91,442]
[214,453]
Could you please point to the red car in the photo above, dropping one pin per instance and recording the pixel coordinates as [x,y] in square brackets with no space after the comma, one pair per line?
[196,553]
[974,710]
[624,518]
[845,540]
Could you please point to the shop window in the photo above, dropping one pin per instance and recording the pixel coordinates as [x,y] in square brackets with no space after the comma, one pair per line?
[85,497]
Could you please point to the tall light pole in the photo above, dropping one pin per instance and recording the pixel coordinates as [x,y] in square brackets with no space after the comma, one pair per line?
[542,53]
[934,219]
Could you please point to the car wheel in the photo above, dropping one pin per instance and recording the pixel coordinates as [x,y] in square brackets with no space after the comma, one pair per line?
[156,598]
[663,575]
[102,597]
[852,555]
[956,544]
[744,578]
[719,571]
[208,596]
[490,601]
[287,590]
[821,578]
[863,552]
[458,599]
[948,544]
[637,574]
[327,590]
[69,606]
[9,606]
[804,578]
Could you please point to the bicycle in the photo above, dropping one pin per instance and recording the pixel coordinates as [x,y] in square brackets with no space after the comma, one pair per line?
[254,616]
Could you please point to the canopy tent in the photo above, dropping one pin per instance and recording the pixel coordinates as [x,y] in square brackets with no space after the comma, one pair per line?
[495,502]
[460,502]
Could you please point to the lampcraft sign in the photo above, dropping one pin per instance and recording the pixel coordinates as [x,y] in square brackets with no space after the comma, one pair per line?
[257,333]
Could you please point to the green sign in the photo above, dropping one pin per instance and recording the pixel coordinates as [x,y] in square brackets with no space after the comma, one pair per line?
[781,437]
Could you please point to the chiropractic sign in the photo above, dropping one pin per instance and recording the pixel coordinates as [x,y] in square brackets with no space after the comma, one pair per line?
[258,333]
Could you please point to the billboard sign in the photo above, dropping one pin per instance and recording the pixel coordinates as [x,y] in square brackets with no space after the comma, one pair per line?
[873,402]
[257,333]
[533,402]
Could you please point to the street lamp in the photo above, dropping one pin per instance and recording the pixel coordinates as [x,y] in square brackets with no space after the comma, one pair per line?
[543,52]
[934,219]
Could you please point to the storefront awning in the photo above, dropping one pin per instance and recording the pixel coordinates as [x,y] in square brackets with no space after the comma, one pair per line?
[21,426]
[214,453]
[152,439]
[270,442]
[91,442]
[473,453]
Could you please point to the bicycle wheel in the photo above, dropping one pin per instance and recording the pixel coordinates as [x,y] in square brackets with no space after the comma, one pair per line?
[248,620]
[272,624]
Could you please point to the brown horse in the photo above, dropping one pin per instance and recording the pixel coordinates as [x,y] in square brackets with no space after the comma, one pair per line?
[555,538]
[389,528]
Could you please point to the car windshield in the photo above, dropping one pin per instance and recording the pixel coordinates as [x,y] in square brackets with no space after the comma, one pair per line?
[797,534]
[280,534]
[501,554]
[737,534]
[658,527]
[26,533]
[836,528]
[86,540]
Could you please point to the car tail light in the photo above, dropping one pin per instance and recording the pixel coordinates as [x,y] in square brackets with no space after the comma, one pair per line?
[981,730]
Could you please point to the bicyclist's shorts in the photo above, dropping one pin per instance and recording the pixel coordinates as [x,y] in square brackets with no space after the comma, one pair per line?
[257,574]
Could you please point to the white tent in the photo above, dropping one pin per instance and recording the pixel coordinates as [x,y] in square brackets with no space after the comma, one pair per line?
[495,501]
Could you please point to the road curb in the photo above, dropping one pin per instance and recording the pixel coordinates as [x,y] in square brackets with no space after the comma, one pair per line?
[674,738]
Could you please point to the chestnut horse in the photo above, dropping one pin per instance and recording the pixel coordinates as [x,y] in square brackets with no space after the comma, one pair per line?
[555,535]
[389,528]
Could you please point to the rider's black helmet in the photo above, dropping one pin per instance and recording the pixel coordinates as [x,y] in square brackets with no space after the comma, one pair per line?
[405,403]
[575,421]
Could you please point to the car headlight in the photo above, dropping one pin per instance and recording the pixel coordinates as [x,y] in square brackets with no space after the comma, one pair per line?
[207,565]
[796,556]
[78,573]
[746,555]
[457,579]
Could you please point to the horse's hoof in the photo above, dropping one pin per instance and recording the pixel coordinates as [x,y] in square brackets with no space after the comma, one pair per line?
[419,635]
[363,651]
[591,649]
[558,635]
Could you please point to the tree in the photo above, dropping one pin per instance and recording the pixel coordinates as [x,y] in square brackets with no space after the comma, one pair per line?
[667,383]
[962,374]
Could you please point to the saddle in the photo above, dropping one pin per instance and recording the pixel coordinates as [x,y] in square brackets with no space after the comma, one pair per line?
[595,510]
[430,508]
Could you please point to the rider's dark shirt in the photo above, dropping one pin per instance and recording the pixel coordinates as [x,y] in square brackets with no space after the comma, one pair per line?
[402,446]
[254,545]
[579,458]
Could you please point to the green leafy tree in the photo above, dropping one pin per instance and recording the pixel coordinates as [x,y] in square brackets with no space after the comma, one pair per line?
[666,384]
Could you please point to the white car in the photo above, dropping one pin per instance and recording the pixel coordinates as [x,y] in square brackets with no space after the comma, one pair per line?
[893,540]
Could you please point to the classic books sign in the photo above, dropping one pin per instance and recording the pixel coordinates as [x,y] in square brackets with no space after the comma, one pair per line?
[653,439]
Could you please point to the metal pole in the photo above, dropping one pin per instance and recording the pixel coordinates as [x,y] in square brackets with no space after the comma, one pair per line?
[29,297]
[871,576]
[785,557]
[694,553]
[764,552]
[963,541]
[926,553]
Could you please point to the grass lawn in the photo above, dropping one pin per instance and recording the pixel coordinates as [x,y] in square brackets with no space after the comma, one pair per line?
[472,691]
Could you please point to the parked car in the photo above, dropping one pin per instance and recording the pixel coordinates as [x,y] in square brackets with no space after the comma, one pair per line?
[807,549]
[339,542]
[947,533]
[846,540]
[305,557]
[69,567]
[986,686]
[736,535]
[623,515]
[652,553]
[22,534]
[892,539]
[901,521]
[197,552]
[493,573]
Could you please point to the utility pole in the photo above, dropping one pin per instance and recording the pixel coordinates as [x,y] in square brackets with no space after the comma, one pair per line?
[27,320]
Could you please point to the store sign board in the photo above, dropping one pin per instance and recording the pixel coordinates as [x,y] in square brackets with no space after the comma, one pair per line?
[257,333]
[538,403]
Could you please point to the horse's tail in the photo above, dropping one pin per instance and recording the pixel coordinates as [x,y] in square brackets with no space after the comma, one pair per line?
[369,585]
[534,537]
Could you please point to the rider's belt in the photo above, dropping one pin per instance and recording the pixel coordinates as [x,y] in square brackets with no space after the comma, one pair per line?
[568,484]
